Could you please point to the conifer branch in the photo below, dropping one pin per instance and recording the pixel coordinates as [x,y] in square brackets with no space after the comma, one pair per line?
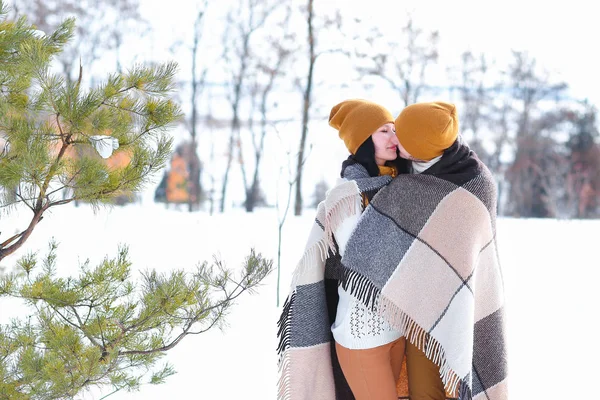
[124,109]
[98,328]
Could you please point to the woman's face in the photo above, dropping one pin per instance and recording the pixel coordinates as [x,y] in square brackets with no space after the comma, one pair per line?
[386,143]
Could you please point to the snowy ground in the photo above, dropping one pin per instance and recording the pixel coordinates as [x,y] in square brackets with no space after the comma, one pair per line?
[551,271]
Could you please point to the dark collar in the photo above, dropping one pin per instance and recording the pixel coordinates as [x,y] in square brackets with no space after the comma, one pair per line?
[459,164]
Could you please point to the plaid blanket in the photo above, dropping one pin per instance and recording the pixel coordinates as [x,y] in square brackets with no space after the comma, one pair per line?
[431,270]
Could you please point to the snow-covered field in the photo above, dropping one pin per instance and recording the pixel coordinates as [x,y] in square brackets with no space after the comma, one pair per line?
[551,270]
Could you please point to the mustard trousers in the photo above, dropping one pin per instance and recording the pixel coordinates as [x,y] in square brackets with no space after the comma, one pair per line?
[372,373]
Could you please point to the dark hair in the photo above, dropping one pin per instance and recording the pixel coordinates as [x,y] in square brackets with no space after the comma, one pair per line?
[365,155]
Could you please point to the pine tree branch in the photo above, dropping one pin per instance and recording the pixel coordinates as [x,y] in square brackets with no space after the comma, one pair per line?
[113,392]
[142,321]
[90,308]
[101,333]
[214,322]
[52,170]
[61,202]
[147,131]
[228,300]
[124,109]
[109,369]
[57,190]
[42,298]
[8,241]
[17,202]
[24,201]
[23,236]
[80,328]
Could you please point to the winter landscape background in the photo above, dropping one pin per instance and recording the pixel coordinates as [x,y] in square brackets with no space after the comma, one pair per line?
[551,265]
[550,270]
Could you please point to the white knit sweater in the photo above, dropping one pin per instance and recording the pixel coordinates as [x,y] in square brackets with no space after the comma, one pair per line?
[355,326]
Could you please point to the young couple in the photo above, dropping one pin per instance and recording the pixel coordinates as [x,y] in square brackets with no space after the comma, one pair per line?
[399,293]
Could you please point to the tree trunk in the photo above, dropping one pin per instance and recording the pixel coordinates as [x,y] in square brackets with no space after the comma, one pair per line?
[211,160]
[194,187]
[229,160]
[194,120]
[250,200]
[235,122]
[252,192]
[306,110]
[7,248]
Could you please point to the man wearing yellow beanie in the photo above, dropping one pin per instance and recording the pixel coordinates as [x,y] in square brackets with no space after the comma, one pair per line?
[425,130]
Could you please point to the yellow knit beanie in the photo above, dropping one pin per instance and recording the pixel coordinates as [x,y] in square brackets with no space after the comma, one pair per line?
[356,120]
[425,130]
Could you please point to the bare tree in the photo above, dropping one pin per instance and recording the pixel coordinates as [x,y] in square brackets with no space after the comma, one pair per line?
[129,20]
[475,99]
[538,175]
[320,192]
[402,61]
[242,22]
[267,68]
[312,57]
[317,26]
[101,27]
[198,82]
[583,180]
[485,115]
[211,124]
[528,89]
[499,122]
[283,210]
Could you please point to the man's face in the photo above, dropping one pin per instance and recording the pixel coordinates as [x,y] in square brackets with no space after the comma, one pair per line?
[406,155]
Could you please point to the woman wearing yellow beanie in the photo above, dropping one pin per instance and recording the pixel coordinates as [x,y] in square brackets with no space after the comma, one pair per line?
[368,132]
[369,351]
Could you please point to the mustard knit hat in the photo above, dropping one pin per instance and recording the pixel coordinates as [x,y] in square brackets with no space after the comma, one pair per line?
[425,130]
[356,120]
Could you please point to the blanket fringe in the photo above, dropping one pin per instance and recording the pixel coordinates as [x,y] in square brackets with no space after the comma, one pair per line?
[423,341]
[285,325]
[336,212]
[344,207]
[284,387]
[318,249]
[365,291]
[359,287]
[464,391]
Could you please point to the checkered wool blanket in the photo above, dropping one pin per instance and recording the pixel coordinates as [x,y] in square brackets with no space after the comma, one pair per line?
[423,254]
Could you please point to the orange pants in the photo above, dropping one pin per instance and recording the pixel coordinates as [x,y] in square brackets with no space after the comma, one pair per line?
[372,373]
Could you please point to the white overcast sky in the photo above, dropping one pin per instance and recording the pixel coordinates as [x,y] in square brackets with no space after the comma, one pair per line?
[561,35]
